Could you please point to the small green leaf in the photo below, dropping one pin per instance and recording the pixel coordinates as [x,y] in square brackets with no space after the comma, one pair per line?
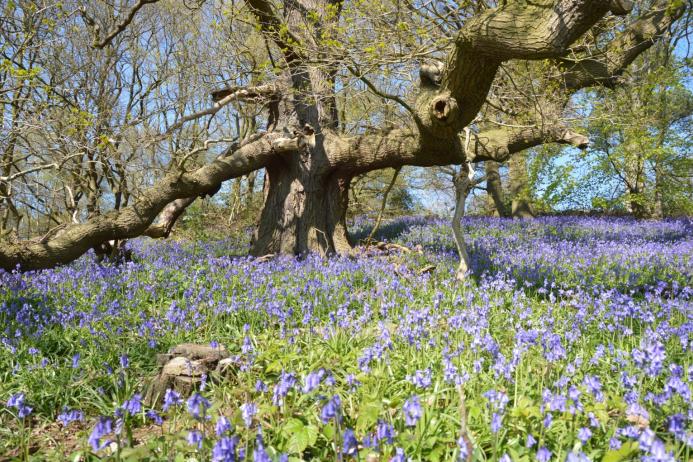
[624,452]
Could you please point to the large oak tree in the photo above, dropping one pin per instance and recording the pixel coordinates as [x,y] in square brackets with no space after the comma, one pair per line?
[309,153]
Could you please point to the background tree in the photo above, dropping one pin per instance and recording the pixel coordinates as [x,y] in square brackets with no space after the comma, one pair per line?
[642,140]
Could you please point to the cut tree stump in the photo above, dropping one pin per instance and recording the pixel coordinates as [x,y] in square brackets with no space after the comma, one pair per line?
[183,369]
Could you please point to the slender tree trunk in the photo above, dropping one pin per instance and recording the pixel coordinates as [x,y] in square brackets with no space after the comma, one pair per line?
[494,188]
[658,211]
[462,183]
[519,187]
[250,190]
[235,199]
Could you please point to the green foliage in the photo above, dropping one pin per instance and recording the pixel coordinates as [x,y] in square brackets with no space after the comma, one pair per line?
[640,157]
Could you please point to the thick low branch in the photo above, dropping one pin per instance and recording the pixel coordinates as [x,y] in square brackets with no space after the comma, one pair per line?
[134,220]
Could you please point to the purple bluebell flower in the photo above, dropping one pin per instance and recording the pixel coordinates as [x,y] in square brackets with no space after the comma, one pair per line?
[102,428]
[577,457]
[195,439]
[70,415]
[421,378]
[614,443]
[312,381]
[260,386]
[349,443]
[281,389]
[399,456]
[412,411]
[331,409]
[171,399]
[225,450]
[133,405]
[248,411]
[18,402]
[463,454]
[584,434]
[385,432]
[543,454]
[222,426]
[154,417]
[594,387]
[197,406]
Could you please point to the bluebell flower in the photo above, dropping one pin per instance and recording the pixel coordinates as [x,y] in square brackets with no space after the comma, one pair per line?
[225,449]
[614,443]
[195,439]
[412,411]
[584,434]
[197,406]
[421,378]
[70,415]
[312,381]
[154,417]
[543,454]
[281,389]
[102,428]
[385,432]
[171,399]
[463,454]
[331,409]
[594,387]
[248,411]
[349,443]
[399,456]
[18,402]
[222,426]
[133,405]
[577,457]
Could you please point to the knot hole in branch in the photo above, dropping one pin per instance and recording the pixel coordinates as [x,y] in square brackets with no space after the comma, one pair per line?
[444,108]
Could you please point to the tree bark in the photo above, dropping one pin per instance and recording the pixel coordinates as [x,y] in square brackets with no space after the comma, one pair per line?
[302,213]
[494,188]
[462,181]
[521,206]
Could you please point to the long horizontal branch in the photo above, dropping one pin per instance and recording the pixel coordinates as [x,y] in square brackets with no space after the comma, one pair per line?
[500,143]
[133,221]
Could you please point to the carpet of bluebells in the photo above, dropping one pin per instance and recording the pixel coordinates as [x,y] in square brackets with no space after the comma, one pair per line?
[572,341]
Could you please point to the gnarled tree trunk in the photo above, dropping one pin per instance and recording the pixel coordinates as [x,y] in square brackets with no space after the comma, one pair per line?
[302,212]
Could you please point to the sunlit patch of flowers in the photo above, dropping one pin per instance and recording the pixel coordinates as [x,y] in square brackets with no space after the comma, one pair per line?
[572,342]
